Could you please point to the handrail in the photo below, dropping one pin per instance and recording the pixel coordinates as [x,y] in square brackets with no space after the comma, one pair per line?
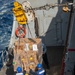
[3,57]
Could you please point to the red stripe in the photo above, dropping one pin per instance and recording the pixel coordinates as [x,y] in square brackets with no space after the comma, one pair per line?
[62,67]
[71,49]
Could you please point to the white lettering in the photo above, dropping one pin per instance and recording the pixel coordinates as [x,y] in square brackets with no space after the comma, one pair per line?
[42,72]
[19,73]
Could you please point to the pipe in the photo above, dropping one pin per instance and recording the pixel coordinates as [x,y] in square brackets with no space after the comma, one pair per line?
[66,42]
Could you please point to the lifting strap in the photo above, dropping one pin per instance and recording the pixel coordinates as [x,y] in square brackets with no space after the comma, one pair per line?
[36,27]
[19,13]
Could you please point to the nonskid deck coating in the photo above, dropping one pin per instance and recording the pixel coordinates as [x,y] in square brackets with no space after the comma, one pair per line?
[55,64]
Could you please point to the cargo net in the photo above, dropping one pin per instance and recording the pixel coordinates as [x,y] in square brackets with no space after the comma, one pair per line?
[27,53]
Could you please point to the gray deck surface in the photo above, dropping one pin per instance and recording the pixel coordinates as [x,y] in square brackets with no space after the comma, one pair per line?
[54,54]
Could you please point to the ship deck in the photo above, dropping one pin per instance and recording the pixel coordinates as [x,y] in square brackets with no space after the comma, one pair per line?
[54,55]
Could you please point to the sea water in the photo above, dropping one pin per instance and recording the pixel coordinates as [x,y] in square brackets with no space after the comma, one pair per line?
[6,22]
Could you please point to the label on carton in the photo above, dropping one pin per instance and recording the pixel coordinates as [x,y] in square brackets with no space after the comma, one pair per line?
[35,47]
[26,47]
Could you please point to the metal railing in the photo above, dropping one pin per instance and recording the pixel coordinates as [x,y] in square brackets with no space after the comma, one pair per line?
[3,58]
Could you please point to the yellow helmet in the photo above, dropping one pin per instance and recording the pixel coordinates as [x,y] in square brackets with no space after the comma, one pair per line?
[31,58]
[22,59]
[26,74]
[30,46]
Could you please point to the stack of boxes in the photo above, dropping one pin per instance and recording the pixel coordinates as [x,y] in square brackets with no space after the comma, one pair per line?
[27,53]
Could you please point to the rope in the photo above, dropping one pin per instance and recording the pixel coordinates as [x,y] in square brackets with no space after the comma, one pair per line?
[48,6]
[45,7]
[29,30]
[36,26]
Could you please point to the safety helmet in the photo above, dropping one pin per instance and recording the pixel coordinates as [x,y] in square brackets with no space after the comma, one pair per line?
[19,69]
[31,58]
[26,74]
[39,65]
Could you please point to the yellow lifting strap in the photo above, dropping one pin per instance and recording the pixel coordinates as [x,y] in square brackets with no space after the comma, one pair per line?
[19,13]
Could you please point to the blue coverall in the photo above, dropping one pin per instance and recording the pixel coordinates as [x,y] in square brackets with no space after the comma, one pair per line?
[39,72]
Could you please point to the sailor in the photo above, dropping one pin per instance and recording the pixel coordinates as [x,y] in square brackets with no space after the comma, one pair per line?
[40,70]
[45,58]
[10,57]
[19,71]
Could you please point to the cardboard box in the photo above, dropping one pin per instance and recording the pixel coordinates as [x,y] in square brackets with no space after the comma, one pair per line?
[27,52]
